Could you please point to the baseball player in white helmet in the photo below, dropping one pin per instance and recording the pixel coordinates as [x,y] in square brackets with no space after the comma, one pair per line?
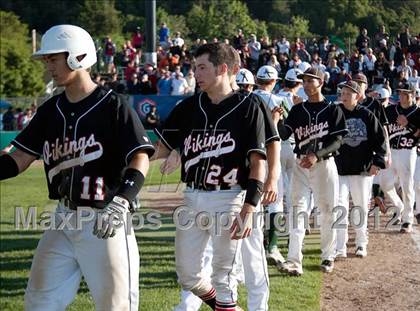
[267,78]
[318,127]
[359,158]
[404,122]
[91,176]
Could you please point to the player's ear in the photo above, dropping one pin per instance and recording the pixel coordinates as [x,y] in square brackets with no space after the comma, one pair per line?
[222,69]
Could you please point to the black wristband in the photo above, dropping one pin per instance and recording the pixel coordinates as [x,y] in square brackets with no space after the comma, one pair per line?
[132,182]
[8,167]
[254,191]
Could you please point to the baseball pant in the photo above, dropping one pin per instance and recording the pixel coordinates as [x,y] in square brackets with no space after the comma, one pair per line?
[322,179]
[110,267]
[417,185]
[197,221]
[287,160]
[402,167]
[255,267]
[359,187]
[189,301]
[252,264]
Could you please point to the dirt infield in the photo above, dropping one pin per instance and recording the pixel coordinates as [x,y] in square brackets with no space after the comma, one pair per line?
[387,279]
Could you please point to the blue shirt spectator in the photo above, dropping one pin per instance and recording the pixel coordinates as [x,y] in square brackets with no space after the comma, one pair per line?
[164,83]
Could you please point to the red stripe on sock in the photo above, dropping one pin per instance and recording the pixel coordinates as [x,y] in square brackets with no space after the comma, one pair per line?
[210,295]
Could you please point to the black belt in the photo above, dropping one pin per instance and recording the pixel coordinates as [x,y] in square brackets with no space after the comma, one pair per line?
[194,186]
[300,156]
[69,204]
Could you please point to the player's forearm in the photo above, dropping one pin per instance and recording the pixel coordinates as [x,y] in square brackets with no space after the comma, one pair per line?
[140,162]
[273,160]
[257,167]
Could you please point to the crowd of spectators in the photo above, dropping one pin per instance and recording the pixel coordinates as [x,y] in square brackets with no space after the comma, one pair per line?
[16,119]
[382,60]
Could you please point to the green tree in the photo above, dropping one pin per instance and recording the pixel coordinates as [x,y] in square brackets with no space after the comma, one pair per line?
[100,17]
[222,19]
[174,22]
[19,74]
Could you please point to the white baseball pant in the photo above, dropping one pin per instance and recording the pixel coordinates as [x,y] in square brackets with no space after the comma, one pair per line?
[287,160]
[192,239]
[110,267]
[189,301]
[403,166]
[417,185]
[322,179]
[252,264]
[360,188]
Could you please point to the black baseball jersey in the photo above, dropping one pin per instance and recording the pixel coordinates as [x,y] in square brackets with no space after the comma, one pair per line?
[363,145]
[314,125]
[402,137]
[85,145]
[215,141]
[377,108]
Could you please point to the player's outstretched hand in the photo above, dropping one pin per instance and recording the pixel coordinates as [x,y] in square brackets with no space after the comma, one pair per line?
[111,218]
[374,170]
[297,100]
[277,114]
[270,192]
[172,162]
[242,227]
[308,161]
[402,120]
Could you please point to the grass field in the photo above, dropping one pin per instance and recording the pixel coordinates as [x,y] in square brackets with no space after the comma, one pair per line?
[158,287]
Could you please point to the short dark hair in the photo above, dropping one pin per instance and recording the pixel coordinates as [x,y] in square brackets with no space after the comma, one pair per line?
[219,53]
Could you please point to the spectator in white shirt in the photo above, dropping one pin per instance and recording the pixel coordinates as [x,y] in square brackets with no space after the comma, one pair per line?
[283,46]
[191,82]
[254,52]
[178,41]
[179,85]
[369,60]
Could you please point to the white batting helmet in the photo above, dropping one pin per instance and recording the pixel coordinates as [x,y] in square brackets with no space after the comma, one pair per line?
[267,73]
[71,39]
[383,93]
[291,75]
[245,76]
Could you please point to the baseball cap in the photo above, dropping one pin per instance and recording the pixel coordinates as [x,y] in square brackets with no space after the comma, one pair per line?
[359,77]
[291,75]
[245,76]
[352,85]
[312,72]
[267,73]
[405,87]
[383,93]
[303,66]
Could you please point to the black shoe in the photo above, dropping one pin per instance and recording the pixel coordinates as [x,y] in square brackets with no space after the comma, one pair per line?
[418,218]
[397,221]
[327,266]
[406,228]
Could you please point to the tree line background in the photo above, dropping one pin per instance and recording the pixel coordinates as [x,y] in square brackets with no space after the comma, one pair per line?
[19,76]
